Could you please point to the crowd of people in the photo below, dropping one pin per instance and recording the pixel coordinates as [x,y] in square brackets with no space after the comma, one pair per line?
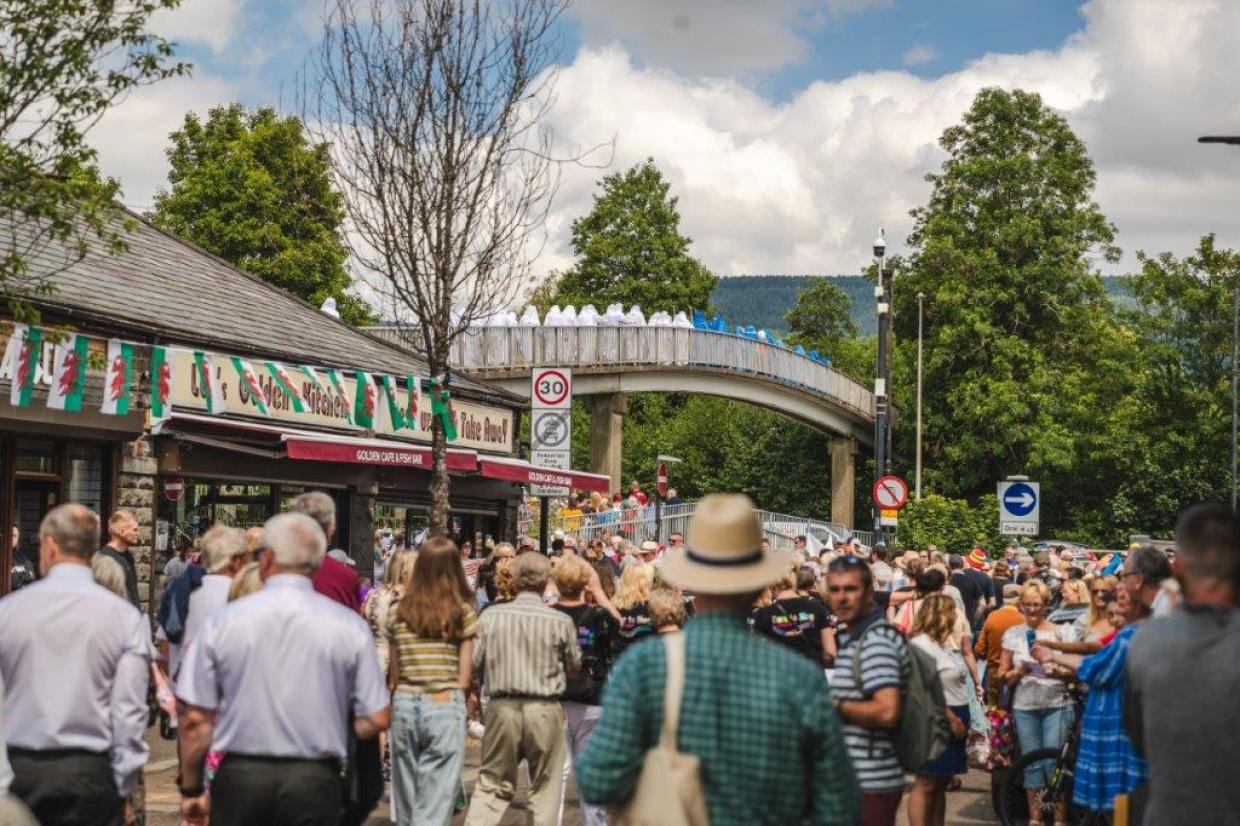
[714,679]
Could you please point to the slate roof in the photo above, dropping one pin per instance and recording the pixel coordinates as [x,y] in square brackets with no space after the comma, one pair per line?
[165,288]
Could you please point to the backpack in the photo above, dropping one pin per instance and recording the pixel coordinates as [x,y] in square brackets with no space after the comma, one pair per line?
[923,731]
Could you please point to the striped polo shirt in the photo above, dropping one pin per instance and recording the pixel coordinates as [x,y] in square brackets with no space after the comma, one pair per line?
[884,663]
[426,665]
[525,649]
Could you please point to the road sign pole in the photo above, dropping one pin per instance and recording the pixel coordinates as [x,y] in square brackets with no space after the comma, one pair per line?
[542,524]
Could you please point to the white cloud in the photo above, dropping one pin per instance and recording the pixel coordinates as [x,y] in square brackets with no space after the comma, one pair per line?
[210,22]
[919,54]
[802,185]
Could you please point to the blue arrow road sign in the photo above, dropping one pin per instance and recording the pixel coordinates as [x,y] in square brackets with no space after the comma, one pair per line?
[1020,499]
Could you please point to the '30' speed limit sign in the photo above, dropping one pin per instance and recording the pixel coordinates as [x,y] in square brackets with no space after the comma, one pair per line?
[551,387]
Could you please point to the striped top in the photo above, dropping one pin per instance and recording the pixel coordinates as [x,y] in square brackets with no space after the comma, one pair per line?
[426,665]
[884,664]
[526,649]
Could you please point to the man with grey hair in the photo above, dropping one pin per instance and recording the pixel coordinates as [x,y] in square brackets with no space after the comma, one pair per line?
[334,579]
[525,653]
[1180,709]
[199,592]
[270,681]
[75,662]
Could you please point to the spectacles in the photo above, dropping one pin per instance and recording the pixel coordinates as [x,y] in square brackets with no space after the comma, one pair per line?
[1098,591]
[1037,606]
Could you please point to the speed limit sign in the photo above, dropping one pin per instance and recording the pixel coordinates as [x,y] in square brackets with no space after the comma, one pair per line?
[551,388]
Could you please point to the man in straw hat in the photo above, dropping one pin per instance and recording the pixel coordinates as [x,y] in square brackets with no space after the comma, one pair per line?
[749,704]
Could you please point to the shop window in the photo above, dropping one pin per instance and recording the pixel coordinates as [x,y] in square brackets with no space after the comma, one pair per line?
[84,476]
[34,456]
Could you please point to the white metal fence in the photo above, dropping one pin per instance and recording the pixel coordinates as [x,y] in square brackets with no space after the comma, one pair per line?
[518,348]
[639,524]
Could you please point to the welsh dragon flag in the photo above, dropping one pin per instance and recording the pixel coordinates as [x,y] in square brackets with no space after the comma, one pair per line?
[337,381]
[118,380]
[414,385]
[395,414]
[441,406]
[161,383]
[365,401]
[249,380]
[26,354]
[208,382]
[69,373]
[287,386]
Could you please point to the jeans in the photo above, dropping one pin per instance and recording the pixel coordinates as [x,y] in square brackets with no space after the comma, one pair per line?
[1042,728]
[580,720]
[428,752]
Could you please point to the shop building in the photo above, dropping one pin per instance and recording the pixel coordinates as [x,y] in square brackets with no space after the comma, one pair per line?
[235,455]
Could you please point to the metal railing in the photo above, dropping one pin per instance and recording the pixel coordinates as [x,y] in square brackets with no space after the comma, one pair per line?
[519,348]
[639,524]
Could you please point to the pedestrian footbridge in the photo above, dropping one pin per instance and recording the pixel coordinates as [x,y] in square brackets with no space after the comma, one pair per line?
[609,361]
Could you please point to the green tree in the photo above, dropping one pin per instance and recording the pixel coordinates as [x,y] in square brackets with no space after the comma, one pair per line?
[951,525]
[1016,316]
[629,249]
[250,187]
[821,318]
[63,63]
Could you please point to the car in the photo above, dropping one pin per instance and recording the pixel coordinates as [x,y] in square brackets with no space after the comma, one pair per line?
[1066,544]
[1067,614]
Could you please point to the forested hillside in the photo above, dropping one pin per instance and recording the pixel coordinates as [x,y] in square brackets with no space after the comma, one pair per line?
[764,300]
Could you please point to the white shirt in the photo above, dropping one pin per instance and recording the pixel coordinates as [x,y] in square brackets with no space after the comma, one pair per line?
[951,670]
[6,770]
[75,659]
[283,667]
[210,595]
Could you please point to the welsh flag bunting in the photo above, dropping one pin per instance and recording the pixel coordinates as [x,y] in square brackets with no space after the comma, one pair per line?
[314,378]
[69,374]
[208,382]
[26,356]
[161,383]
[337,381]
[441,407]
[249,380]
[364,404]
[414,385]
[287,386]
[395,414]
[118,380]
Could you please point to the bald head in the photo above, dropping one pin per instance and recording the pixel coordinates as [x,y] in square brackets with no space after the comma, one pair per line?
[72,529]
[294,542]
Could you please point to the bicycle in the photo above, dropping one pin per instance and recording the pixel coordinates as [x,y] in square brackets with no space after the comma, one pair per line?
[1008,789]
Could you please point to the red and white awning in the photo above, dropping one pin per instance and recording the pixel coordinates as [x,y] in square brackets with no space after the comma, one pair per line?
[521,471]
[360,451]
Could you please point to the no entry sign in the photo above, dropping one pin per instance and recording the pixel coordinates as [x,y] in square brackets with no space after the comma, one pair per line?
[551,387]
[174,488]
[890,493]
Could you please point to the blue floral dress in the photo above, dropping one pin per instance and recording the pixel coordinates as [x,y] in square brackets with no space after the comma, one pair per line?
[1106,764]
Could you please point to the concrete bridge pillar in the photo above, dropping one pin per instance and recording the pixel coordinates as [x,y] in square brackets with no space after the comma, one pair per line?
[843,479]
[607,436]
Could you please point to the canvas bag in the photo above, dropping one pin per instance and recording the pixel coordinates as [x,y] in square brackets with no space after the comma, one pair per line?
[669,790]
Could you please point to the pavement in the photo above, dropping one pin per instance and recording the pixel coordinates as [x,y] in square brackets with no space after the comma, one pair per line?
[970,806]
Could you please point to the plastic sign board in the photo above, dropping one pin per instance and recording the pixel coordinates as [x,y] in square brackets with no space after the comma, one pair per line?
[551,423]
[890,493]
[889,518]
[1019,507]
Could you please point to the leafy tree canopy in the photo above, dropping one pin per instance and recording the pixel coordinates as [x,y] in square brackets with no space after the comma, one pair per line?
[1016,316]
[630,249]
[822,317]
[249,187]
[63,63]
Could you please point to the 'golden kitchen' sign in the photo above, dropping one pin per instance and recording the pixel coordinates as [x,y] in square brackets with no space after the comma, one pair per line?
[480,427]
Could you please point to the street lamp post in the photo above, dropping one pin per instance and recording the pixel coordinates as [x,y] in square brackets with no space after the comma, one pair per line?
[921,300]
[1233,140]
[881,459]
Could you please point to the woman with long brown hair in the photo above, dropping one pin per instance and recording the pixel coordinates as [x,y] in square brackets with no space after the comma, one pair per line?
[432,630]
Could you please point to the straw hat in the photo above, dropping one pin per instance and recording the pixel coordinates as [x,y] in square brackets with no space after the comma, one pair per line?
[723,550]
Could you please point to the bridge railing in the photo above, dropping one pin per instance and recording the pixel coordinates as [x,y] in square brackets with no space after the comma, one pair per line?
[518,348]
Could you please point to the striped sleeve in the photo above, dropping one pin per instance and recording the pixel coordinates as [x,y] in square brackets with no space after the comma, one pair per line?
[882,657]
[469,624]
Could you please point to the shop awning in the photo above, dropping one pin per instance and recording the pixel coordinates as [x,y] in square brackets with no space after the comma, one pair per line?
[372,452]
[519,470]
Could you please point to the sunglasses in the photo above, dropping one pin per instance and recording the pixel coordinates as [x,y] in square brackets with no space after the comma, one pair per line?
[1098,591]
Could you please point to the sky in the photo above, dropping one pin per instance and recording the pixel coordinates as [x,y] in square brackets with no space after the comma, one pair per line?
[792,130]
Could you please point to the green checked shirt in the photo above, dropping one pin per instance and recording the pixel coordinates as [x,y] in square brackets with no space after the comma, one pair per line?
[757,716]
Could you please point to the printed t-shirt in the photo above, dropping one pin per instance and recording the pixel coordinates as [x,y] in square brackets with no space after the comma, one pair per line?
[884,664]
[796,623]
[634,625]
[595,631]
[428,664]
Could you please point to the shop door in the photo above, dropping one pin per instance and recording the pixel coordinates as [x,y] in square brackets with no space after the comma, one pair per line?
[32,499]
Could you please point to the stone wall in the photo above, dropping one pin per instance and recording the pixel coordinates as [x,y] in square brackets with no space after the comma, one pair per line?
[135,490]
